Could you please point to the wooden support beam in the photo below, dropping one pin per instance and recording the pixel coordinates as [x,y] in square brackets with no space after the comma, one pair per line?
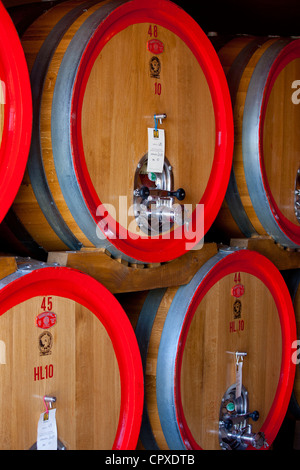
[283,258]
[8,265]
[118,276]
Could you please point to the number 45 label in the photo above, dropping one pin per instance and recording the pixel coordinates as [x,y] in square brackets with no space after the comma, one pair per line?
[296,94]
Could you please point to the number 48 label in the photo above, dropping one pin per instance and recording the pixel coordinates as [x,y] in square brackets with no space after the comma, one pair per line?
[153,31]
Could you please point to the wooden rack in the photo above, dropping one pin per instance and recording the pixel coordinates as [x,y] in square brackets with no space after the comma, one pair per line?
[282,258]
[118,276]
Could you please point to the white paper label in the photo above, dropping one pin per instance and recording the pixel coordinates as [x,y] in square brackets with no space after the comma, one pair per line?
[156,150]
[2,92]
[47,431]
[2,352]
[239,380]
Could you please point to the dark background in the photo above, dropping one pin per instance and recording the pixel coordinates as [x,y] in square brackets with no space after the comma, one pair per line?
[230,17]
[258,17]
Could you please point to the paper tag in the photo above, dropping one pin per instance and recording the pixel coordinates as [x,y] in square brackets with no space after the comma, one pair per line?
[239,380]
[156,150]
[2,92]
[47,431]
[2,352]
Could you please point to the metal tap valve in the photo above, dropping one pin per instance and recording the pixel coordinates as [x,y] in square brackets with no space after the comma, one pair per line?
[235,432]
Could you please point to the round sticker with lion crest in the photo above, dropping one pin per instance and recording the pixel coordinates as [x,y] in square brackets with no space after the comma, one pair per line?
[45,343]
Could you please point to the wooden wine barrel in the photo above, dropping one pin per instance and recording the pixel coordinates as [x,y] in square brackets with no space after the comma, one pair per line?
[263,192]
[292,278]
[15,112]
[189,337]
[63,335]
[100,72]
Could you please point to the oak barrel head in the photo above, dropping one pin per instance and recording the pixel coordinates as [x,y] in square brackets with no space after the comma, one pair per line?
[236,310]
[65,336]
[263,192]
[101,80]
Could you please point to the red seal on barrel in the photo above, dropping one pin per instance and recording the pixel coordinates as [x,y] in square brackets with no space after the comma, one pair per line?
[45,320]
[238,290]
[155,46]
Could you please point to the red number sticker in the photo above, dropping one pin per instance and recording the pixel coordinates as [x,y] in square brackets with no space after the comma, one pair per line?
[153,31]
[41,373]
[47,304]
[157,88]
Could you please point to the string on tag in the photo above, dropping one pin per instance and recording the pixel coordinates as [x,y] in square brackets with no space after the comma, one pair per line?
[155,132]
[46,414]
[239,360]
[238,372]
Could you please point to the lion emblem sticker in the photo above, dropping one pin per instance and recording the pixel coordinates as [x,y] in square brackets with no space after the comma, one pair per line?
[45,343]
[237,309]
[155,67]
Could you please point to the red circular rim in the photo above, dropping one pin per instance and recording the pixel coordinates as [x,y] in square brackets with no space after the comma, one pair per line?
[15,143]
[169,15]
[259,266]
[288,53]
[85,290]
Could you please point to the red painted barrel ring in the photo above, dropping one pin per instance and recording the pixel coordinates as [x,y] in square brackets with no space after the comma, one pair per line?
[17,126]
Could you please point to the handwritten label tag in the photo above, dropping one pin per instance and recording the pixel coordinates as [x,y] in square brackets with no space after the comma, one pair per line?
[156,150]
[47,431]
[239,380]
